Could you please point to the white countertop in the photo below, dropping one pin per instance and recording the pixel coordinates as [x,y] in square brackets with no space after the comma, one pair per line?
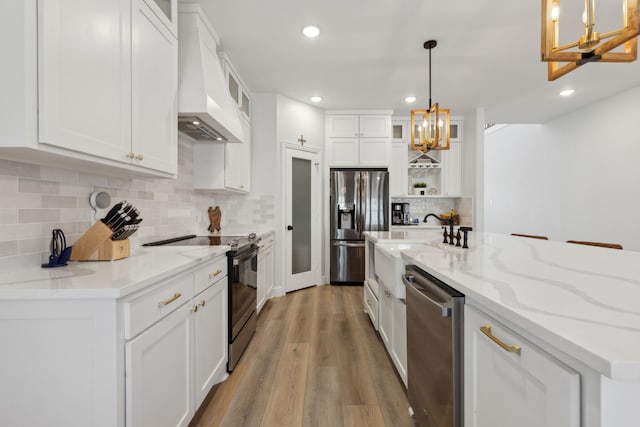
[106,279]
[581,300]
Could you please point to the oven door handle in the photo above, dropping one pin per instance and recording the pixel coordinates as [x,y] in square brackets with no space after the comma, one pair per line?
[251,253]
[445,309]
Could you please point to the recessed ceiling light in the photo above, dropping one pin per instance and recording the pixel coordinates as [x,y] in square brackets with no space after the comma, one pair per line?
[567,92]
[316,98]
[311,31]
[410,99]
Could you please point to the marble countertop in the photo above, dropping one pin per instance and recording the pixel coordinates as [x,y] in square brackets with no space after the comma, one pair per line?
[109,279]
[581,300]
[105,279]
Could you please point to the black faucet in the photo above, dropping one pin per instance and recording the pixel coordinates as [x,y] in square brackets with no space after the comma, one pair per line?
[451,221]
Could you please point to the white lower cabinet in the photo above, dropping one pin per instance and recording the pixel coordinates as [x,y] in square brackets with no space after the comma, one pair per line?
[159,388]
[265,272]
[393,329]
[210,339]
[172,365]
[386,316]
[399,337]
[528,388]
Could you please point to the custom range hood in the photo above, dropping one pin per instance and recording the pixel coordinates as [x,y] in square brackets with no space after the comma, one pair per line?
[206,111]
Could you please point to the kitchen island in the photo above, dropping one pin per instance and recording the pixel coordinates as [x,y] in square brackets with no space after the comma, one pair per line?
[577,305]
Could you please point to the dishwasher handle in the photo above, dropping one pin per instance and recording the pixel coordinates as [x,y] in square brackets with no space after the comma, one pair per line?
[445,309]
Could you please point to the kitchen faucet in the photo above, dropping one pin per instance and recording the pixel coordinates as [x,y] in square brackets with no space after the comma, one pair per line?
[451,221]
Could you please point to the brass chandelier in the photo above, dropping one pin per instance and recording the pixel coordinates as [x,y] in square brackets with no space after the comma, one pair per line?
[430,127]
[591,46]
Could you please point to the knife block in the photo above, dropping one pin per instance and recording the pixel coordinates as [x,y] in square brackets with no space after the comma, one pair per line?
[96,245]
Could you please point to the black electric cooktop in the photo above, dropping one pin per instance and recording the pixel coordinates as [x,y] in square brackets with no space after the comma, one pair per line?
[235,242]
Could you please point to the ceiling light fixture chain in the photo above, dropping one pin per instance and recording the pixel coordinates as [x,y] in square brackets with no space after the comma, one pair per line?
[430,127]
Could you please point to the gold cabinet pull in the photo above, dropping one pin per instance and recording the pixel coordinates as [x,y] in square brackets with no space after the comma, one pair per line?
[170,300]
[202,303]
[214,274]
[486,329]
[131,155]
[195,308]
[139,157]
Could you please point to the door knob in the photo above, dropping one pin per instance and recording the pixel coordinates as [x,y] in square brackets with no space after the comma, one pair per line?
[289,227]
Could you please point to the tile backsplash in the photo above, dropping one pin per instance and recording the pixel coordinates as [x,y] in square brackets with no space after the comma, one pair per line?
[36,199]
[421,206]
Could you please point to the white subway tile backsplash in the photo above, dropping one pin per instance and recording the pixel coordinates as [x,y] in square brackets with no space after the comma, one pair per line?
[36,199]
[58,175]
[8,167]
[49,201]
[38,215]
[28,185]
[8,216]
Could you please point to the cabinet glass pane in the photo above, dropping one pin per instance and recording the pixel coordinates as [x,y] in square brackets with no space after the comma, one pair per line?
[245,105]
[233,89]
[397,131]
[453,131]
[165,7]
[301,207]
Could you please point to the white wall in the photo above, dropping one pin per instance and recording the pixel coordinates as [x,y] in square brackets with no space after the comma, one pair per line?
[574,177]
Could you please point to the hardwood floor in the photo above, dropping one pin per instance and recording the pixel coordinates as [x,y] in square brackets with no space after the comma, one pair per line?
[315,360]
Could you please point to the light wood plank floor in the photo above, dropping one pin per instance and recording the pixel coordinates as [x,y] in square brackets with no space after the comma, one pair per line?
[315,360]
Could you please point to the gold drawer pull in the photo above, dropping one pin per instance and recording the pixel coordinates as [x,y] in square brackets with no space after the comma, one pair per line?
[212,275]
[203,303]
[139,157]
[195,308]
[131,155]
[486,329]
[170,300]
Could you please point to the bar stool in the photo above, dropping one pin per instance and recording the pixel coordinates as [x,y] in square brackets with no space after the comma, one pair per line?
[531,236]
[602,245]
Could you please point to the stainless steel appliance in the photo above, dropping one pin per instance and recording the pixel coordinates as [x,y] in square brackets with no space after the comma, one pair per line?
[400,213]
[359,202]
[434,350]
[242,262]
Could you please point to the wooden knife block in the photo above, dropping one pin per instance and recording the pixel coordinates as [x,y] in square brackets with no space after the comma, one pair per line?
[96,245]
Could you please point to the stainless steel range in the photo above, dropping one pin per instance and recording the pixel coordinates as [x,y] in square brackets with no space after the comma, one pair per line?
[242,261]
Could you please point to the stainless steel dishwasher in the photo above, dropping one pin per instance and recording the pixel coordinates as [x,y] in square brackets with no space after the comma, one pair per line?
[434,350]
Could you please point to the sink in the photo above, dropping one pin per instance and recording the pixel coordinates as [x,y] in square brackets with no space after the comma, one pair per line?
[389,266]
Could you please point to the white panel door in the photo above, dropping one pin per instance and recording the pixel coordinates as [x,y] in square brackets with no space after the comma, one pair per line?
[210,338]
[529,389]
[398,171]
[399,336]
[84,76]
[375,126]
[452,170]
[154,102]
[343,126]
[344,152]
[386,317]
[158,364]
[302,194]
[237,162]
[374,151]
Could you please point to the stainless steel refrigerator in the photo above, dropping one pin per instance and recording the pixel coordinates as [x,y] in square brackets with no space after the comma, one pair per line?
[359,202]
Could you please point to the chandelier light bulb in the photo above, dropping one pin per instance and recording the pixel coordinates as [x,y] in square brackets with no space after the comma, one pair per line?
[555,12]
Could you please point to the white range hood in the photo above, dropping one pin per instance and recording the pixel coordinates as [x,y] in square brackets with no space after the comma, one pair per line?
[206,111]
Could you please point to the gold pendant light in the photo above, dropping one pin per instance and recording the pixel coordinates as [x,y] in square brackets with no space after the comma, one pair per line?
[430,128]
[591,46]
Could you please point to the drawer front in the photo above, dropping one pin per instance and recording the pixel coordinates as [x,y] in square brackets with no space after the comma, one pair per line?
[389,270]
[371,305]
[211,273]
[142,312]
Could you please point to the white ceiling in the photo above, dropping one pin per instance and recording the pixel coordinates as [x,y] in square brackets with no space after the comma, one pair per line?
[369,55]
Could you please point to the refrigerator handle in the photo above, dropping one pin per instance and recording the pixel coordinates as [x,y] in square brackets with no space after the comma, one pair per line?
[358,203]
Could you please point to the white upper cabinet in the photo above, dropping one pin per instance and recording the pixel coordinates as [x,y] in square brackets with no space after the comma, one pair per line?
[84,78]
[358,139]
[154,70]
[237,89]
[94,85]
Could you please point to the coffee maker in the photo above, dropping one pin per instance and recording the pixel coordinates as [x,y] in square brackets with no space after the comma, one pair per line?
[400,213]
